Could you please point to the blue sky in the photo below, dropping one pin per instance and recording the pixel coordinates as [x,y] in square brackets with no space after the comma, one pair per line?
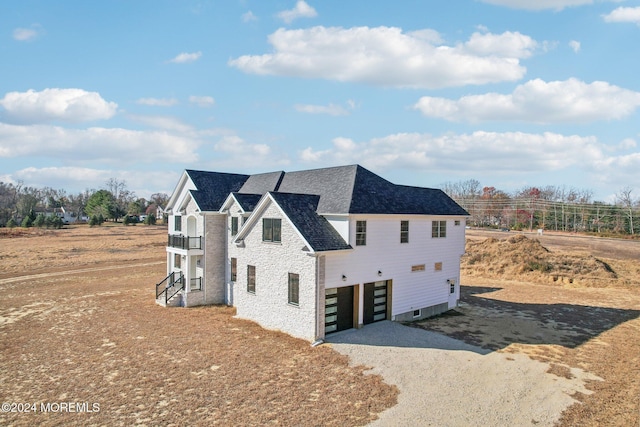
[512,93]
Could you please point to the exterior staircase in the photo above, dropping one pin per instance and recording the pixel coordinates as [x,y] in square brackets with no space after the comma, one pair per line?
[168,290]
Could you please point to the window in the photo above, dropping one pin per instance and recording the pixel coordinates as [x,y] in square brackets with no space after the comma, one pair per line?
[419,267]
[416,313]
[176,260]
[234,269]
[177,223]
[456,222]
[404,231]
[438,228]
[437,266]
[271,230]
[234,225]
[251,279]
[361,233]
[452,286]
[294,288]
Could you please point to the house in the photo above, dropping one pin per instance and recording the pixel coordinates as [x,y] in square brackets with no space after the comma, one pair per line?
[315,251]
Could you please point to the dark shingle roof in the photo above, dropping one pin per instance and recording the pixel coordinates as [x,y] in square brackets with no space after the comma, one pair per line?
[213,188]
[341,190]
[247,201]
[262,183]
[301,210]
[354,189]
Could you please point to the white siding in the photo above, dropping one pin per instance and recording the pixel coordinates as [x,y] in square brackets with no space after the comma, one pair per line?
[273,261]
[341,224]
[384,252]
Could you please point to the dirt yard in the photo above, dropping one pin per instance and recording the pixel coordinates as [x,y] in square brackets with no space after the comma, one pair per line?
[78,323]
[570,301]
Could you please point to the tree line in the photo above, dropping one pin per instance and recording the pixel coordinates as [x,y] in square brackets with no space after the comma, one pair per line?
[24,205]
[555,208]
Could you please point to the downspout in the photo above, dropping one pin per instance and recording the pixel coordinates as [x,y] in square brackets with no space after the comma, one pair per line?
[318,340]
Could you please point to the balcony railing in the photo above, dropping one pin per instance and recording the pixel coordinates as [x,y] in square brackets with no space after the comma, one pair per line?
[195,283]
[184,242]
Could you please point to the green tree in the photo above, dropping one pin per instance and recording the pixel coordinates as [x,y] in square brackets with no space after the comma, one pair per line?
[101,204]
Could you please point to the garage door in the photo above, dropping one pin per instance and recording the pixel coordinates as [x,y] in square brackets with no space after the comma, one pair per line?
[375,302]
[338,309]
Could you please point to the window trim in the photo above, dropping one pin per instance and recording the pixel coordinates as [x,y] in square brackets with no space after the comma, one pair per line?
[438,229]
[294,289]
[251,279]
[269,230]
[234,225]
[177,223]
[404,234]
[361,233]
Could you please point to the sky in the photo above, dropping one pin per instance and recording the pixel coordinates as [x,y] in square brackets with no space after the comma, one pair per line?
[511,93]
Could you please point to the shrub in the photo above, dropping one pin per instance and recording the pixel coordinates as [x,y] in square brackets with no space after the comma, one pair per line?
[95,220]
[27,222]
[150,219]
[12,223]
[39,221]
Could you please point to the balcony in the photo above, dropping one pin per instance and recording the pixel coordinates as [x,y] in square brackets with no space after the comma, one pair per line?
[195,283]
[184,242]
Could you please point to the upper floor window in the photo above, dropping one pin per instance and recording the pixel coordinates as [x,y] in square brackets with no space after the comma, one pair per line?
[294,288]
[438,228]
[404,231]
[177,223]
[234,225]
[361,233]
[251,279]
[271,230]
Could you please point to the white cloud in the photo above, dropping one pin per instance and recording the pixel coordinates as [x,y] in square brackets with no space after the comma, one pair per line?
[185,57]
[28,34]
[301,10]
[507,45]
[538,101]
[76,179]
[575,45]
[624,14]
[538,4]
[232,151]
[513,152]
[249,17]
[162,122]
[202,101]
[331,109]
[157,102]
[70,105]
[113,145]
[386,56]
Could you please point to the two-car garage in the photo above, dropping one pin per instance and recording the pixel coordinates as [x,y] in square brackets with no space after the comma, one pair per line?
[342,305]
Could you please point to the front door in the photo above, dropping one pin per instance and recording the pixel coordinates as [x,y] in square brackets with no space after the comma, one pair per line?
[375,302]
[338,309]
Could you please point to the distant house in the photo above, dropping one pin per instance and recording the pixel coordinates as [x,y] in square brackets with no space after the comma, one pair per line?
[67,217]
[312,252]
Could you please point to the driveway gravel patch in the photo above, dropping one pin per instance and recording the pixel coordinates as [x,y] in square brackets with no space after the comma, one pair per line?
[446,382]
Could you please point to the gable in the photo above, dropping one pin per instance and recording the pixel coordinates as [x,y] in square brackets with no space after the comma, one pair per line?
[300,211]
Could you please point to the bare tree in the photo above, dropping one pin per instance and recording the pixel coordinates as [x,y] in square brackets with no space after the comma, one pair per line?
[625,199]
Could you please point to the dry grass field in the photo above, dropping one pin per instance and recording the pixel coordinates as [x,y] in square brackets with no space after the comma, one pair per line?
[570,301]
[78,323]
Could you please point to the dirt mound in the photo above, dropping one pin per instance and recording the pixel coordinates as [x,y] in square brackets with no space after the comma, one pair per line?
[520,257]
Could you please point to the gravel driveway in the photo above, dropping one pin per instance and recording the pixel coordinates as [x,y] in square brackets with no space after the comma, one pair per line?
[445,382]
